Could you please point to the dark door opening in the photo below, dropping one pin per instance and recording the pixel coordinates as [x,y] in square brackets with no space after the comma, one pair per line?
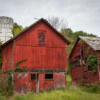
[82,51]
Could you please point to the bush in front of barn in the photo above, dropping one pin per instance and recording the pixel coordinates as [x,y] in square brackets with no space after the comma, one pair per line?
[6,87]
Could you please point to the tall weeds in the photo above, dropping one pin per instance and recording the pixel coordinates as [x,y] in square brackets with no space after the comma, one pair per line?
[6,88]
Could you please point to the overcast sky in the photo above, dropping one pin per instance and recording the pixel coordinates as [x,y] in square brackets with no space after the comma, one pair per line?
[80,14]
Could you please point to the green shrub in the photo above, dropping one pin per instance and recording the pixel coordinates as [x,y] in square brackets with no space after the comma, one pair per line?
[93,88]
[92,62]
[18,98]
[6,88]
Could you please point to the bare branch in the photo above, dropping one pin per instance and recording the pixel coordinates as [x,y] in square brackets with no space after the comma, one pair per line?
[58,23]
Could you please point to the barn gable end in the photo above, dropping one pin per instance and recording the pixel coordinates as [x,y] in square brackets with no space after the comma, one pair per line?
[31,37]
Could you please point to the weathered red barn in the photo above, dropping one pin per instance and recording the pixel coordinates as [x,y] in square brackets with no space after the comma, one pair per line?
[39,56]
[83,48]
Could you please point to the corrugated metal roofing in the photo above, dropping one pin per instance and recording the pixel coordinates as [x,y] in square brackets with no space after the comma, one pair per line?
[93,42]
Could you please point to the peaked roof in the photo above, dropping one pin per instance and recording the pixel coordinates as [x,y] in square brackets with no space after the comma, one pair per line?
[34,24]
[93,42]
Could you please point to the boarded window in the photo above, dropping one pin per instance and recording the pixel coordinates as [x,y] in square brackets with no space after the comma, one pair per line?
[48,76]
[41,37]
[33,76]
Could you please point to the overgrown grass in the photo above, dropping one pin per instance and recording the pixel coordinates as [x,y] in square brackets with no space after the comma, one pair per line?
[68,79]
[68,93]
[59,94]
[93,88]
[6,88]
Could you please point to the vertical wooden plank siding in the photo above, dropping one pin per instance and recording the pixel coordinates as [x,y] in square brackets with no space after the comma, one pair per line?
[50,55]
[7,60]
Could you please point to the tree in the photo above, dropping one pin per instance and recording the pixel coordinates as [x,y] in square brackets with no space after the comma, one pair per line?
[58,23]
[15,25]
[17,29]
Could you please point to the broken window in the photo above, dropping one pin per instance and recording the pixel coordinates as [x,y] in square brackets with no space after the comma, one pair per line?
[33,77]
[89,68]
[78,57]
[48,76]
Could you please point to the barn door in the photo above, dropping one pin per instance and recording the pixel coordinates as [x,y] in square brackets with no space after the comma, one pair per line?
[37,88]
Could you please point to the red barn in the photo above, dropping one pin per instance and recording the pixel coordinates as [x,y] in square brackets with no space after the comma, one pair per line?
[81,72]
[39,56]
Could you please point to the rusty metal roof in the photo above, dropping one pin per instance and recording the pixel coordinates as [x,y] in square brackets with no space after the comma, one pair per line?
[93,42]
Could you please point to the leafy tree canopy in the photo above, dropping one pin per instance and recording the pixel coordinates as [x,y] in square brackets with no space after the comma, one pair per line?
[17,29]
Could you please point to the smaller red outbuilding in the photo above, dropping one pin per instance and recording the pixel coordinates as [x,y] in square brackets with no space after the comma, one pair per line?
[39,56]
[81,72]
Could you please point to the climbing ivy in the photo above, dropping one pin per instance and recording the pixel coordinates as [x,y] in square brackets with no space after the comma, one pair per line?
[92,62]
[87,50]
[80,42]
[99,60]
[9,77]
[20,68]
[17,63]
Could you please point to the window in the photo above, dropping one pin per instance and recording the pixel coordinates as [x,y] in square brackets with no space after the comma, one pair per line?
[78,57]
[89,68]
[41,37]
[48,76]
[33,77]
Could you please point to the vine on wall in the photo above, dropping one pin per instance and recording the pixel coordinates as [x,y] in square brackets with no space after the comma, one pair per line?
[18,67]
[92,62]
[87,50]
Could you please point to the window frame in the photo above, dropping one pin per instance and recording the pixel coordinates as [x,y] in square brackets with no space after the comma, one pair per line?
[41,33]
[31,77]
[50,78]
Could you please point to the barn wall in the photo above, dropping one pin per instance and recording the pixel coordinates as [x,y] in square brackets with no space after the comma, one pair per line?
[41,57]
[99,65]
[23,82]
[48,56]
[77,75]
[89,77]
[7,57]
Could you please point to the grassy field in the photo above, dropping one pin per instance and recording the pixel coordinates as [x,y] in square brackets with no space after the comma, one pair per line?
[71,92]
[68,79]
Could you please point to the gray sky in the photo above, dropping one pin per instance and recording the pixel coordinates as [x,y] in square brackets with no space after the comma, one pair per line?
[80,14]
